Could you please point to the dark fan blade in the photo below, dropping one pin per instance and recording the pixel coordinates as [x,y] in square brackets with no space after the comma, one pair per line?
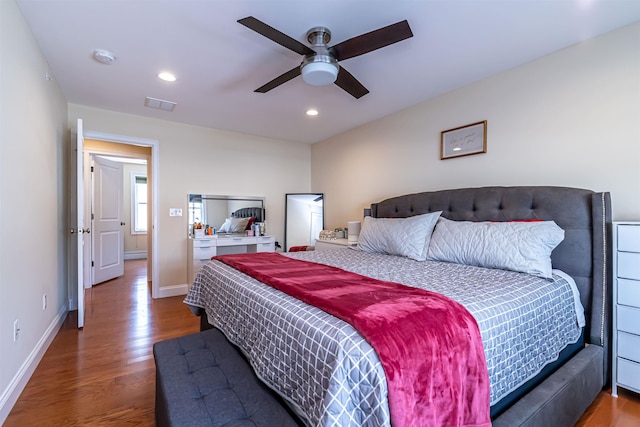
[283,78]
[275,35]
[349,83]
[368,42]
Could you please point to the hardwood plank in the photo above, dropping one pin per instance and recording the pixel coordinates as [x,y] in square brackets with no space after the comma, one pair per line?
[608,411]
[104,375]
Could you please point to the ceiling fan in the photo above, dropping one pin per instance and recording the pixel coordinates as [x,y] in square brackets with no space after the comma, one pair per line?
[320,63]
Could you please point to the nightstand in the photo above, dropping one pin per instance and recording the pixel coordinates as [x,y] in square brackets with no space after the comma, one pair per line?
[324,245]
[626,307]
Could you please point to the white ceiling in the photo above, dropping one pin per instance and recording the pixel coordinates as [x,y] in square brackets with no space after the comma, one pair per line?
[219,62]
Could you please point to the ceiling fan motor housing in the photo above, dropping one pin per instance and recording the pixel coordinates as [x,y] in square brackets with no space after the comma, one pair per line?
[319,36]
[321,68]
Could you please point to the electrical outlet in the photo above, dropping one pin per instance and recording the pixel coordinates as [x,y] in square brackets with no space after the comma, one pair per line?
[44,301]
[16,329]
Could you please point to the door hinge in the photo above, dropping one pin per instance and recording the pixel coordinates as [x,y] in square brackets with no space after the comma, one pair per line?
[91,168]
[91,263]
[91,216]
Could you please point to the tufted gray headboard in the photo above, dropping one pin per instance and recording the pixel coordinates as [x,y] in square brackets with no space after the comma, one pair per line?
[254,212]
[585,216]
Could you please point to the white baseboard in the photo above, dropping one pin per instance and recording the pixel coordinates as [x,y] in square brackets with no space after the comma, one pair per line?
[10,395]
[135,255]
[172,291]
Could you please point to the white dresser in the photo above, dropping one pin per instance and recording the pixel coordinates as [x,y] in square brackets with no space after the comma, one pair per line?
[200,250]
[626,307]
[326,244]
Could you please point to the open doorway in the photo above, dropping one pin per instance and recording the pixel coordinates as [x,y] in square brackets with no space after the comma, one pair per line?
[119,214]
[79,213]
[137,162]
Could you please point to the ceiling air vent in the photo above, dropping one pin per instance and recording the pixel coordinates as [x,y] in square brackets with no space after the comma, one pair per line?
[160,104]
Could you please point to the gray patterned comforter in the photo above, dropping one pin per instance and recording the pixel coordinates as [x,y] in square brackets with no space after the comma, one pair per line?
[332,377]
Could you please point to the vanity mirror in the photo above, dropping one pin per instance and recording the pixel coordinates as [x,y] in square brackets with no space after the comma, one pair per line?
[304,218]
[214,210]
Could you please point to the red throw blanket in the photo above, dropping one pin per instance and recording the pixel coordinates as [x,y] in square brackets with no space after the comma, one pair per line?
[429,345]
[301,248]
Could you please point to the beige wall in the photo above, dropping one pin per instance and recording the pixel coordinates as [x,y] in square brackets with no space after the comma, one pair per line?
[568,119]
[33,206]
[200,160]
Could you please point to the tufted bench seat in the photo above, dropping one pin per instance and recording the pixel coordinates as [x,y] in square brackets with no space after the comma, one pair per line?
[202,380]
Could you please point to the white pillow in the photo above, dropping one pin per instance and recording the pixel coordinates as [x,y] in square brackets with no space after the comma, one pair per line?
[407,237]
[518,246]
[234,225]
[224,228]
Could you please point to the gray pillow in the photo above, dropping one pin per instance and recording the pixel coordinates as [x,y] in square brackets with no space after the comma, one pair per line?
[518,246]
[408,237]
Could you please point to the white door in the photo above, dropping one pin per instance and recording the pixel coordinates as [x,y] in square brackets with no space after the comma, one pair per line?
[76,271]
[108,224]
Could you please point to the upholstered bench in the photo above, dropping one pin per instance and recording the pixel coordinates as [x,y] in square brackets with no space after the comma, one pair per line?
[202,380]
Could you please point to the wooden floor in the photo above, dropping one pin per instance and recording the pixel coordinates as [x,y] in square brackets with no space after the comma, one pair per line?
[104,374]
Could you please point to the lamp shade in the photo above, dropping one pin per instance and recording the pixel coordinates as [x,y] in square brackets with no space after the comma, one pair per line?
[353,231]
[319,73]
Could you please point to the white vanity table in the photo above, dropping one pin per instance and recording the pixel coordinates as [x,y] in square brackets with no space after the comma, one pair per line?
[200,250]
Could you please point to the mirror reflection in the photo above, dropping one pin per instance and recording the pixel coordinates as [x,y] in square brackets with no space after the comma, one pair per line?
[304,219]
[215,211]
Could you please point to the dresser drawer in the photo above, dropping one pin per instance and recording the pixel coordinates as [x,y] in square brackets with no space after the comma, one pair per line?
[204,253]
[629,292]
[629,346]
[628,373]
[629,265]
[266,247]
[629,238]
[235,241]
[628,319]
[203,243]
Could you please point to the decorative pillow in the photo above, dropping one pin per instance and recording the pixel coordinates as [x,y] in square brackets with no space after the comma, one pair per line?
[250,223]
[407,237]
[518,246]
[234,225]
[224,228]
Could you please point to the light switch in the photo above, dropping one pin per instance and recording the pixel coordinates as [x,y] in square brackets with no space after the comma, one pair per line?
[175,212]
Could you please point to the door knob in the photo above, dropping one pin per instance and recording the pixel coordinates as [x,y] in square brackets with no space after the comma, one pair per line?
[122,223]
[72,231]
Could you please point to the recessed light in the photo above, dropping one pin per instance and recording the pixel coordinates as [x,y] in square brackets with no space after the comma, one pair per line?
[167,77]
[312,112]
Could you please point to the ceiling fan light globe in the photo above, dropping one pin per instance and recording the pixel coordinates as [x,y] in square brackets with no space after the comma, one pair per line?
[319,73]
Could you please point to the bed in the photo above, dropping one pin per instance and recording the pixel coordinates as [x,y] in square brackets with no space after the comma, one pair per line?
[242,220]
[251,212]
[557,395]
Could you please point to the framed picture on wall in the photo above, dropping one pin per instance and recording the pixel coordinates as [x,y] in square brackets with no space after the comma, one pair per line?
[464,140]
